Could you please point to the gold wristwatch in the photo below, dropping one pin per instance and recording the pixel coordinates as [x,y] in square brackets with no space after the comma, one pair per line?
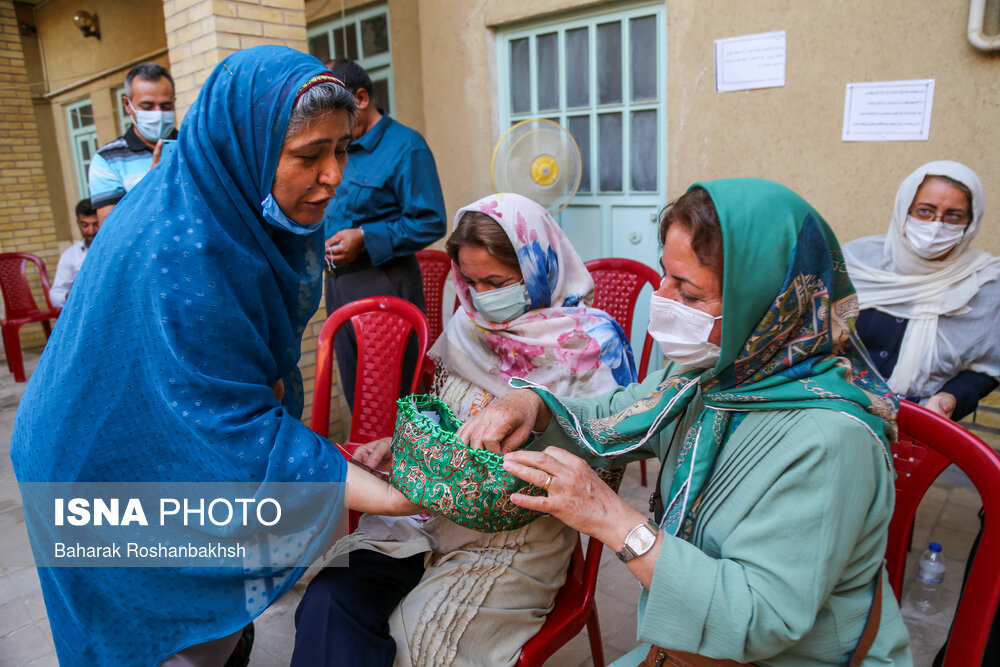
[638,541]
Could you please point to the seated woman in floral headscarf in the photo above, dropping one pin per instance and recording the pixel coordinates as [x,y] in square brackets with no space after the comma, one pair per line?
[524,293]
[770,417]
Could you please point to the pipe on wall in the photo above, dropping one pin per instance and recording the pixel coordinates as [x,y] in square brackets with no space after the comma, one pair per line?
[978,38]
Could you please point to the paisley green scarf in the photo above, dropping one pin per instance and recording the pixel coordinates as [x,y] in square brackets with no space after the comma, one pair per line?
[788,341]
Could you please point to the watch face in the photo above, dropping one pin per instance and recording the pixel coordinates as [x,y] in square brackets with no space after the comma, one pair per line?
[640,541]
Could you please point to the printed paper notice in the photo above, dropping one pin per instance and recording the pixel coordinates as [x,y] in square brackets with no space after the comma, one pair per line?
[888,110]
[750,61]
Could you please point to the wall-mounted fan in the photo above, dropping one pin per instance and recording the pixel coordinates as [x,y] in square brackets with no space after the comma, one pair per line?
[538,158]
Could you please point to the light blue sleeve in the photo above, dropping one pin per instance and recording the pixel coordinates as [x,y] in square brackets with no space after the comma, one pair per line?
[106,186]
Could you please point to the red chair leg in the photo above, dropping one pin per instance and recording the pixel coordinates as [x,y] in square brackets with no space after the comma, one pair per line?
[642,473]
[594,635]
[12,345]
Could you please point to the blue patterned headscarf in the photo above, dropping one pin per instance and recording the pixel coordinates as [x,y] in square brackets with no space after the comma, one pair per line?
[161,367]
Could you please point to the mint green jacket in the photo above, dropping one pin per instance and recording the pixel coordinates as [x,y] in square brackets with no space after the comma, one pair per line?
[788,539]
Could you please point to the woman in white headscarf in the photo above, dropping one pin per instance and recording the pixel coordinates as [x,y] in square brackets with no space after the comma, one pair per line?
[930,304]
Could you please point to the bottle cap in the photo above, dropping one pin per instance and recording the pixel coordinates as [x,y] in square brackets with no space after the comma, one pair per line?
[935,547]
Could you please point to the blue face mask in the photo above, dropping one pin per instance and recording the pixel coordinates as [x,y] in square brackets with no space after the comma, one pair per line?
[273,214]
[501,305]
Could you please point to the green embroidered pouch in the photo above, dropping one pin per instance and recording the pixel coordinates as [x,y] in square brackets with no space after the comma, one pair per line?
[433,468]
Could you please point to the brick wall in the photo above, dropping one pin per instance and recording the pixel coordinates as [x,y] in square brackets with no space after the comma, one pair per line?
[26,222]
[201,33]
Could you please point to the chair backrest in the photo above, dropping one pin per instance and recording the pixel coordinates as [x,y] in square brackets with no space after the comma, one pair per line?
[617,284]
[434,268]
[927,444]
[383,326]
[18,301]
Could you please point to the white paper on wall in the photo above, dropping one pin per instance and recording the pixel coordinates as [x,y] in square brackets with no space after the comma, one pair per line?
[750,61]
[888,110]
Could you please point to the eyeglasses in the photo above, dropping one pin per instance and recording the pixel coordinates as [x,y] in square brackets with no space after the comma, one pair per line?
[926,214]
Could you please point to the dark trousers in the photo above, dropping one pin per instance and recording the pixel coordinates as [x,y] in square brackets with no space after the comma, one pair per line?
[398,277]
[343,618]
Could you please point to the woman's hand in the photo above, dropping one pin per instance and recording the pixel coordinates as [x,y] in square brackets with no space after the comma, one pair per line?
[581,500]
[505,424]
[576,495]
[375,454]
[942,403]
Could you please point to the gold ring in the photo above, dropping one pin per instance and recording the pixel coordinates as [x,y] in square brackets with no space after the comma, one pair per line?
[545,487]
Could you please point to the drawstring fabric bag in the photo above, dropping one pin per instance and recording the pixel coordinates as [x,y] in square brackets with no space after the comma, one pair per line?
[433,468]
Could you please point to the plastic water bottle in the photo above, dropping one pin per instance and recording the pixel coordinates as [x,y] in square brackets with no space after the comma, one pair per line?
[929,577]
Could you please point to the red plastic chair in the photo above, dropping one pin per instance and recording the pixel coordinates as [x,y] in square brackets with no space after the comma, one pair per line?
[574,608]
[20,307]
[928,443]
[383,325]
[434,268]
[617,284]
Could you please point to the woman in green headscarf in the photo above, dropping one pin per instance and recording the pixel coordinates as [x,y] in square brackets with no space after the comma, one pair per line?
[773,430]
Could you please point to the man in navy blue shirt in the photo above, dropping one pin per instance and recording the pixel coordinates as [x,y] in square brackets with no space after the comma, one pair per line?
[388,206]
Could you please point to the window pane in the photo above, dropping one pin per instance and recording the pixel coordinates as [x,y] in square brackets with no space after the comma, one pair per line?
[86,115]
[609,151]
[381,94]
[609,63]
[643,44]
[520,76]
[644,149]
[577,68]
[547,58]
[350,33]
[74,119]
[579,127]
[319,46]
[85,150]
[375,36]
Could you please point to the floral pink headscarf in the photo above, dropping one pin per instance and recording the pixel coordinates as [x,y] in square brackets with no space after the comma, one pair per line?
[561,342]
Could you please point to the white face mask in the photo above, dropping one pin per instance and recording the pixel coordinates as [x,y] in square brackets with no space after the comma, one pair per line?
[932,240]
[154,125]
[503,304]
[682,332]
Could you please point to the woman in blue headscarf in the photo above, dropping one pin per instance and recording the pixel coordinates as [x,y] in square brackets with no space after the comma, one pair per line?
[175,360]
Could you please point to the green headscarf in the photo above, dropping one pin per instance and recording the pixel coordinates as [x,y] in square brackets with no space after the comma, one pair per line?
[788,341]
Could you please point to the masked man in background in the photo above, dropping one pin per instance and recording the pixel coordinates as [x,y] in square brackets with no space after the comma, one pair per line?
[119,165]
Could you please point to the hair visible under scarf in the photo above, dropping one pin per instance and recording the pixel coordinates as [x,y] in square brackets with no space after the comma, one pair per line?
[788,342]
[320,95]
[195,310]
[560,341]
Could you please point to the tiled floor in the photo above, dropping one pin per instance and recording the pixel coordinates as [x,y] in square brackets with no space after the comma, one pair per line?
[947,515]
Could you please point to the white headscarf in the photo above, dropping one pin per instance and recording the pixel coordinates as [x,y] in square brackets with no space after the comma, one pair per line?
[890,277]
